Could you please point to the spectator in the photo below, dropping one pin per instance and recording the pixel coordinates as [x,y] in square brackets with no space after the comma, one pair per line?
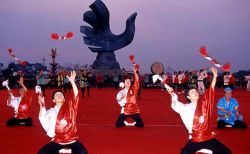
[228,112]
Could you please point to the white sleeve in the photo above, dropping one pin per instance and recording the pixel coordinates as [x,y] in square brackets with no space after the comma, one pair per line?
[44,118]
[14,102]
[121,98]
[176,105]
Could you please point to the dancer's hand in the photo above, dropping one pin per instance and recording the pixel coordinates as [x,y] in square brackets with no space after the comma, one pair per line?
[20,81]
[214,71]
[72,81]
[135,67]
[229,113]
[169,90]
[215,74]
[72,76]
[41,101]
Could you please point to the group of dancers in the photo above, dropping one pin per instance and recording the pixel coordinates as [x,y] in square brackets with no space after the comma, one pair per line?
[59,122]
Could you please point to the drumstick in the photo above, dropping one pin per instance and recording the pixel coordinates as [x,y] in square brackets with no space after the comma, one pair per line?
[6,84]
[157,77]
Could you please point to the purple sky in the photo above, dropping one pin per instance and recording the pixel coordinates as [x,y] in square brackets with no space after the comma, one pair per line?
[168,31]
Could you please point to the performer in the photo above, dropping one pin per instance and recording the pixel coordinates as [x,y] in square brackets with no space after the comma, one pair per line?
[116,80]
[66,83]
[201,76]
[85,81]
[196,116]
[41,80]
[185,81]
[60,78]
[226,79]
[193,79]
[99,80]
[21,105]
[175,80]
[127,99]
[228,112]
[180,77]
[248,82]
[231,81]
[60,122]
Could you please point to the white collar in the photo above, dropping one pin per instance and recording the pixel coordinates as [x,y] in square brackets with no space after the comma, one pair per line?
[56,108]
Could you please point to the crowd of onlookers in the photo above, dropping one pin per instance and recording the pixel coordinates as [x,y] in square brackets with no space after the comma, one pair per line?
[178,80]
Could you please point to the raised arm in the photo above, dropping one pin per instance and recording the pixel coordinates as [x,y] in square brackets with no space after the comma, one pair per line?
[135,70]
[38,75]
[215,74]
[72,81]
[11,96]
[175,104]
[44,117]
[41,102]
[21,82]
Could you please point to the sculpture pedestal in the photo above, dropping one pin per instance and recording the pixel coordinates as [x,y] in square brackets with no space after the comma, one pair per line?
[106,60]
[106,71]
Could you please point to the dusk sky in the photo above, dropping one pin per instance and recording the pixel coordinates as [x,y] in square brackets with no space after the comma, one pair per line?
[167,31]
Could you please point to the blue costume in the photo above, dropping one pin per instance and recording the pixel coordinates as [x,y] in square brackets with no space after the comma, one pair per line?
[228,112]
[229,107]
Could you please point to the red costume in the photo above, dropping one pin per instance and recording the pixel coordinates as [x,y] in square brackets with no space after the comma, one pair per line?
[201,129]
[131,106]
[66,122]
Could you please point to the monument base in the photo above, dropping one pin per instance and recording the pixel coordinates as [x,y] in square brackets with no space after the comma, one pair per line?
[106,71]
[106,60]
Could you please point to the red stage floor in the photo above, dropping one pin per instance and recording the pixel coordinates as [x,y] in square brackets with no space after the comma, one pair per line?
[163,133]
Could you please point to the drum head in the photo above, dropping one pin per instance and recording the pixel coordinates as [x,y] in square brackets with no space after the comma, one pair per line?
[157,68]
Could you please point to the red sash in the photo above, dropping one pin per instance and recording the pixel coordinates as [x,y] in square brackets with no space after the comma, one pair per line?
[66,122]
[201,130]
[24,106]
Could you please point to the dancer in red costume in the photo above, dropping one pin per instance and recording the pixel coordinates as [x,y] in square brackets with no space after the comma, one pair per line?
[127,99]
[21,105]
[60,122]
[196,116]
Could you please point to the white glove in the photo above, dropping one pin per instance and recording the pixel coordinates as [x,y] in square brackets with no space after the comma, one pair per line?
[121,84]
